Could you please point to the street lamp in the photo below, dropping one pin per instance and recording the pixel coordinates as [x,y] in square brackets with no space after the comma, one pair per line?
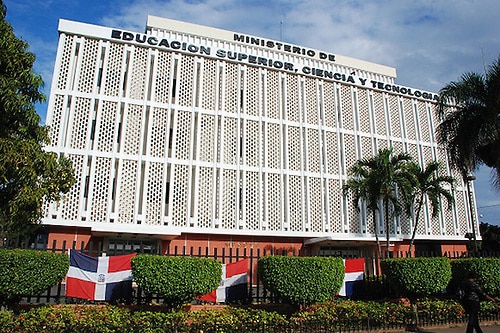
[469,179]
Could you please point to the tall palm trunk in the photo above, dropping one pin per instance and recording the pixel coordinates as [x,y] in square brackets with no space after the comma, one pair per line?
[386,216]
[417,218]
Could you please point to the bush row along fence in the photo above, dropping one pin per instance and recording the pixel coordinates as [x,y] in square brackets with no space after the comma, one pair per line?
[256,292]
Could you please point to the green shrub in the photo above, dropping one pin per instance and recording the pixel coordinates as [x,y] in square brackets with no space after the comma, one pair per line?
[417,277]
[348,314]
[302,280]
[7,322]
[486,268]
[177,279]
[29,272]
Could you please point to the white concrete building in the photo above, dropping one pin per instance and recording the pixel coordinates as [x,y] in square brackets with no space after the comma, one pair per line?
[190,130]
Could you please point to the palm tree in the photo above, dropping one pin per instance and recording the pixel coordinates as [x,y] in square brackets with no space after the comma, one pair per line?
[427,183]
[365,191]
[470,112]
[382,178]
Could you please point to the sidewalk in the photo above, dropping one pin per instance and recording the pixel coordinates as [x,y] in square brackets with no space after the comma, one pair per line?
[487,328]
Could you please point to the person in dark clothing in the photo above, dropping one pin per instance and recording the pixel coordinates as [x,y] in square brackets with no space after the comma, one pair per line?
[472,298]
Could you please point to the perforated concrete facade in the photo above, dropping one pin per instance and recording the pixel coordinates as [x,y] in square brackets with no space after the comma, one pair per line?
[169,134]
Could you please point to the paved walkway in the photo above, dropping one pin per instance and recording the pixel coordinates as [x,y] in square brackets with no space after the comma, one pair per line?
[487,328]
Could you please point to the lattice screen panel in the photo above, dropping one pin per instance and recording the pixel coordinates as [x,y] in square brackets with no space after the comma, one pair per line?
[435,224]
[272,94]
[423,119]
[70,204]
[347,113]
[253,208]
[274,201]
[315,208]
[231,88]
[294,148]
[139,71]
[253,92]
[207,127]
[185,84]
[413,151]
[64,70]
[353,215]
[349,150]
[421,227]
[127,191]
[159,132]
[209,96]
[364,112]
[132,135]
[427,153]
[163,87]
[311,101]
[57,116]
[382,144]
[370,224]
[462,215]
[442,158]
[399,148]
[330,105]
[274,149]
[107,126]
[366,147]
[405,221]
[231,140]
[229,201]
[183,135]
[409,119]
[449,218]
[113,73]
[154,192]
[295,207]
[101,190]
[335,205]
[88,70]
[205,198]
[395,119]
[252,143]
[379,113]
[332,148]
[180,196]
[292,98]
[79,130]
[313,153]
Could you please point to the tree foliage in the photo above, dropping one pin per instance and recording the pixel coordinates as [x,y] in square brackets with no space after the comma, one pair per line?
[28,173]
[428,185]
[469,109]
[384,178]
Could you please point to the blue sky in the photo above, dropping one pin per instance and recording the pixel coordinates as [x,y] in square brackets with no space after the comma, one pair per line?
[429,42]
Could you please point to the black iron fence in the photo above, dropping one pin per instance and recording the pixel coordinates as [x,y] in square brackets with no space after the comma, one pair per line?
[256,292]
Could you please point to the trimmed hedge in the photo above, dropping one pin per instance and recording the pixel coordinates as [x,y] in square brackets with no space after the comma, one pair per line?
[29,272]
[417,276]
[302,280]
[487,269]
[177,279]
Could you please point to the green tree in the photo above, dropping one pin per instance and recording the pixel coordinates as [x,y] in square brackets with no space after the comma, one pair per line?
[28,173]
[365,191]
[428,185]
[469,110]
[383,178]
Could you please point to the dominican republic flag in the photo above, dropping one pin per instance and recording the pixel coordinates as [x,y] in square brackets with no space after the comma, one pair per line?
[99,279]
[233,286]
[354,275]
